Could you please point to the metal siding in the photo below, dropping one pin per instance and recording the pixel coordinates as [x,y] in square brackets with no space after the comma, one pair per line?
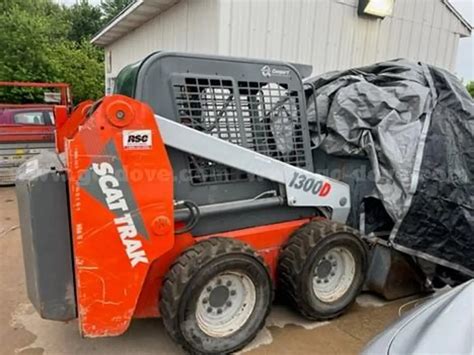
[225,23]
[305,31]
[274,33]
[408,9]
[399,8]
[258,27]
[370,42]
[346,42]
[419,10]
[239,28]
[404,15]
[384,44]
[334,35]
[424,43]
[454,52]
[330,35]
[442,41]
[394,39]
[190,25]
[203,26]
[358,47]
[321,29]
[325,33]
[435,39]
[405,39]
[429,11]
[447,55]
[415,40]
[433,47]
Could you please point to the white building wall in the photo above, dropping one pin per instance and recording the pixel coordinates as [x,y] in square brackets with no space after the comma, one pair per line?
[325,33]
[330,35]
[190,26]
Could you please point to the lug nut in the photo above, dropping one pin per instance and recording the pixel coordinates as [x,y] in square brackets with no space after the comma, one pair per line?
[219,281]
[332,274]
[209,289]
[205,300]
[219,311]
[233,293]
[209,310]
[326,281]
[228,304]
[229,283]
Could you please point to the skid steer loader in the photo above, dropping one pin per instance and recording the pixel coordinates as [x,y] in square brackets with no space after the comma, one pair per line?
[190,194]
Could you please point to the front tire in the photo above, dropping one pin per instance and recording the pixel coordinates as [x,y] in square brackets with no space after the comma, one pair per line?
[322,269]
[216,296]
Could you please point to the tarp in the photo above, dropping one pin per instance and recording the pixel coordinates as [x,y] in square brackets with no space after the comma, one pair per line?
[415,123]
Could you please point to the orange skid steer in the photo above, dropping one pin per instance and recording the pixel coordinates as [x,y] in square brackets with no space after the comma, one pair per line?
[190,195]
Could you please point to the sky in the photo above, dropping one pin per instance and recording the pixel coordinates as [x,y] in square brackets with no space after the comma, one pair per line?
[465,58]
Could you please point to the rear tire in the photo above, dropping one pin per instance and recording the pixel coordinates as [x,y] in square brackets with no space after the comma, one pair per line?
[216,296]
[322,269]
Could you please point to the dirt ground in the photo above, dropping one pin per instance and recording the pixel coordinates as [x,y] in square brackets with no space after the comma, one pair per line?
[22,331]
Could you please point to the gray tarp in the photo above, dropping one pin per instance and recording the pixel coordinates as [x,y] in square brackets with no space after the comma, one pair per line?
[415,123]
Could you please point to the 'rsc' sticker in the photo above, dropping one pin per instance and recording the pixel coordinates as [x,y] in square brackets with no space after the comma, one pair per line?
[140,139]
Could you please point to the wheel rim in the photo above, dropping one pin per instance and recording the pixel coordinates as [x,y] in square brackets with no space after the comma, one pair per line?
[333,274]
[225,304]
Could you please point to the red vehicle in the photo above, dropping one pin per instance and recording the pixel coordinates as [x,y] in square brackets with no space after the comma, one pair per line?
[27,129]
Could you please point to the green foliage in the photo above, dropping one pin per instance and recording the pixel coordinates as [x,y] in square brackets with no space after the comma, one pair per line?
[38,7]
[85,20]
[78,65]
[25,41]
[470,88]
[44,42]
[112,8]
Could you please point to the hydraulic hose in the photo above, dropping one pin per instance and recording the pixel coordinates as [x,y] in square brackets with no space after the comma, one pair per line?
[195,215]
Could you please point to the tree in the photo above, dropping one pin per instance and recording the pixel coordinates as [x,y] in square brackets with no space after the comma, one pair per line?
[470,88]
[85,20]
[112,8]
[81,66]
[38,7]
[26,31]
[35,46]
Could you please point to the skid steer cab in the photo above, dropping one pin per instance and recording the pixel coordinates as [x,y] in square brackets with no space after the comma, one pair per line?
[190,194]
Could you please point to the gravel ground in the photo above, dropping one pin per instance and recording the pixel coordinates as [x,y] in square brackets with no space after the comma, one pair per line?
[22,331]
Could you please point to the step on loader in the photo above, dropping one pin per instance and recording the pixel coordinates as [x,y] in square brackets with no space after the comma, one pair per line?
[190,194]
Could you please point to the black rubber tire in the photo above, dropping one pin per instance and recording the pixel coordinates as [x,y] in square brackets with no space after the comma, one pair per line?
[191,272]
[301,254]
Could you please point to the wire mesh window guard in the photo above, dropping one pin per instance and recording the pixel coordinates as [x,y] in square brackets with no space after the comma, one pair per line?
[264,117]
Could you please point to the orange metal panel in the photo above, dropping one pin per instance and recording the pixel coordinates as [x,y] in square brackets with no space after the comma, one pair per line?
[121,205]
[267,240]
[67,128]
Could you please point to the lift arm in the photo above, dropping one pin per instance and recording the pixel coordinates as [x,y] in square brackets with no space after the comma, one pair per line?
[303,188]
